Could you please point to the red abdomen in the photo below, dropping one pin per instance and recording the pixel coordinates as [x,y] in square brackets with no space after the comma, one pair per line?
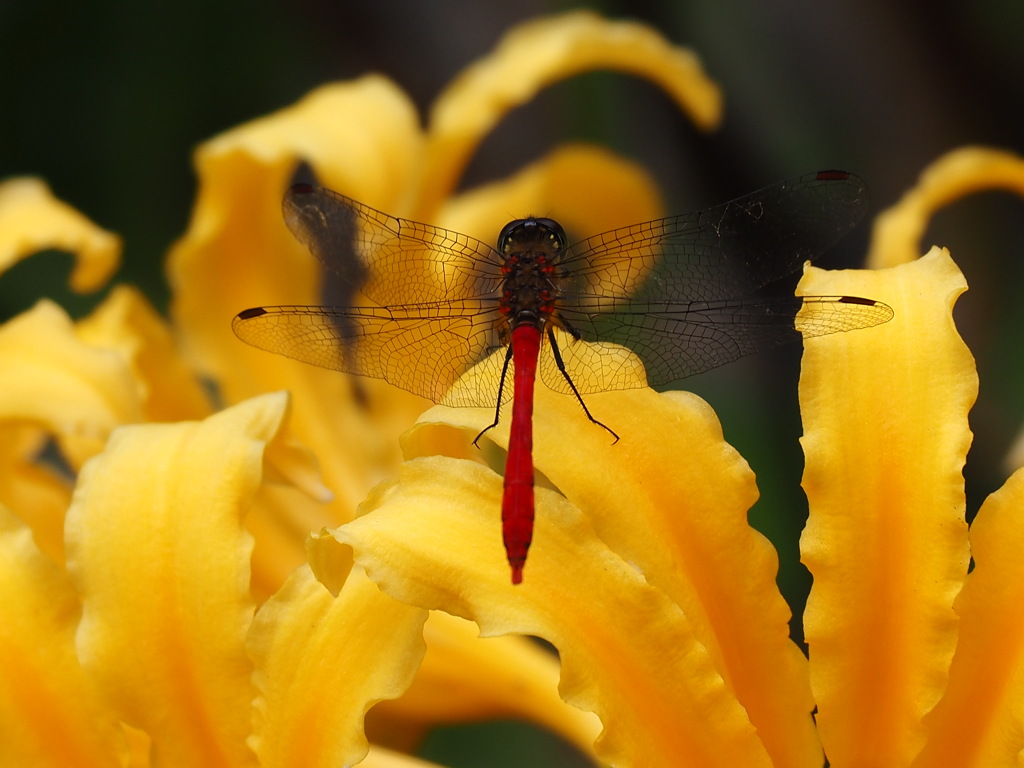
[517,504]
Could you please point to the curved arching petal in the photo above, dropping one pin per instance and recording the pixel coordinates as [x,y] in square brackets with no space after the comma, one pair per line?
[896,237]
[32,219]
[537,54]
[885,439]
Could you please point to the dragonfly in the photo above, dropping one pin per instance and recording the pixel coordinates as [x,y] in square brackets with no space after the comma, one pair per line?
[446,316]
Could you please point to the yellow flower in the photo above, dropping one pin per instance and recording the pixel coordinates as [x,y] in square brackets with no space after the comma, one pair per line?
[158,608]
[157,604]
[661,599]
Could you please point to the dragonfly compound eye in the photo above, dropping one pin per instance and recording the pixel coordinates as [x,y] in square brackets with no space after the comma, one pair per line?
[555,234]
[509,235]
[531,231]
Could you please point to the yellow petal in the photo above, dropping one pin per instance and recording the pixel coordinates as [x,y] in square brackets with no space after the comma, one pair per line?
[32,219]
[980,720]
[322,662]
[537,54]
[157,548]
[586,188]
[277,522]
[466,678]
[37,493]
[896,238]
[48,376]
[363,139]
[50,714]
[127,323]
[671,496]
[628,653]
[290,503]
[886,436]
[330,560]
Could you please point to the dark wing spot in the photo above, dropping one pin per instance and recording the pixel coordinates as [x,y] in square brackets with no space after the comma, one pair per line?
[246,314]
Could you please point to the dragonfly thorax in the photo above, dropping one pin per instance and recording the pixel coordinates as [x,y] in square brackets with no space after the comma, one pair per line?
[530,248]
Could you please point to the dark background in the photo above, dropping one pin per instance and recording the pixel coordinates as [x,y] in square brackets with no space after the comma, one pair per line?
[107,99]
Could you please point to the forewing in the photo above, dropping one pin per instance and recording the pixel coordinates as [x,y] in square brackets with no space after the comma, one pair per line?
[422,349]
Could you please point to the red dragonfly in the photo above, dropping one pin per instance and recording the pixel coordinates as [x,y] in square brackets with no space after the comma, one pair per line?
[678,293]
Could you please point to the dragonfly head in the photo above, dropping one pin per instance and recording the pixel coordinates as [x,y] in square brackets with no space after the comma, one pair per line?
[529,234]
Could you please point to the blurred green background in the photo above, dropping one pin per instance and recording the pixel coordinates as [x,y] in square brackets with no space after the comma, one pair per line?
[107,99]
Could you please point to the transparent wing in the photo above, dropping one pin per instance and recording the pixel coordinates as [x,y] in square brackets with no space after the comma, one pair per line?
[681,292]
[672,343]
[423,350]
[415,305]
[675,293]
[728,251]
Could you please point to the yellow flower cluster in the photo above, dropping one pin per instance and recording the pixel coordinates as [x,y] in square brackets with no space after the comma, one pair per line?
[163,603]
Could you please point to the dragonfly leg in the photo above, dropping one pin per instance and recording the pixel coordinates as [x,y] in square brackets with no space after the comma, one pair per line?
[497,408]
[572,385]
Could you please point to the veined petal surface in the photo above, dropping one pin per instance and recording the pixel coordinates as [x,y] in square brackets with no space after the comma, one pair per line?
[885,439]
